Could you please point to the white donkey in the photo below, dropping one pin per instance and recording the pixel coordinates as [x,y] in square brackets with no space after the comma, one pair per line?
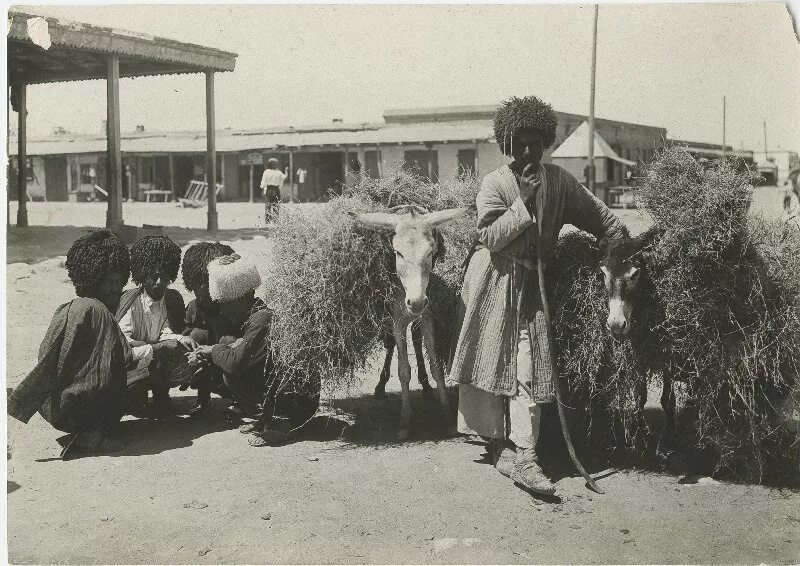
[415,245]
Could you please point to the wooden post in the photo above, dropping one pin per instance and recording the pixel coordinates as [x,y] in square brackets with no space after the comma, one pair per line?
[113,147]
[22,158]
[211,154]
[222,172]
[172,177]
[69,175]
[476,158]
[251,181]
[380,161]
[591,103]
[291,176]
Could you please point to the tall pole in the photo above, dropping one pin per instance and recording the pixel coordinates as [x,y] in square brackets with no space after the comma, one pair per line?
[724,144]
[765,140]
[22,157]
[113,145]
[591,102]
[211,154]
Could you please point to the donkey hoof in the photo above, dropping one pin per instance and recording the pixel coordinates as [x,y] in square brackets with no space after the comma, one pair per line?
[427,393]
[403,434]
[451,431]
[380,393]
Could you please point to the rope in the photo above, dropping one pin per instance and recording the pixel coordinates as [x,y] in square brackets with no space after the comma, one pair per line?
[551,345]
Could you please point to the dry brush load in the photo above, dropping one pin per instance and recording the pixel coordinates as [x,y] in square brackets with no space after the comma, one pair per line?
[723,318]
[332,285]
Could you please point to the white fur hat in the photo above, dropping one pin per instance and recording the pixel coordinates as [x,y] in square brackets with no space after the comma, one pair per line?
[231,277]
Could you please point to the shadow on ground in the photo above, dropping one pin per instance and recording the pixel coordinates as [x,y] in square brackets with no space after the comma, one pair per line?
[38,243]
[375,422]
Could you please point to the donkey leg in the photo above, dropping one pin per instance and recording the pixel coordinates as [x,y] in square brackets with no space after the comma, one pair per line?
[380,389]
[438,374]
[668,404]
[422,375]
[404,372]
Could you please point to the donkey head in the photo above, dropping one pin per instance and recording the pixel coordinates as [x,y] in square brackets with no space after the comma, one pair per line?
[622,266]
[416,243]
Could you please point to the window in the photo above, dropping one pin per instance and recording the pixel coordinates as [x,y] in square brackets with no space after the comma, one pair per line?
[88,174]
[371,167]
[424,162]
[466,162]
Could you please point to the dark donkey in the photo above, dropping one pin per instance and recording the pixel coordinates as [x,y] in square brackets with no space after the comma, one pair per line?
[633,314]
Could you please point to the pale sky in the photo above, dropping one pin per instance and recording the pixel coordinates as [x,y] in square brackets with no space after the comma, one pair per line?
[661,65]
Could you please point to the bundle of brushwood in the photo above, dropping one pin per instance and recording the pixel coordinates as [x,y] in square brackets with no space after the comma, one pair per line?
[721,316]
[332,282]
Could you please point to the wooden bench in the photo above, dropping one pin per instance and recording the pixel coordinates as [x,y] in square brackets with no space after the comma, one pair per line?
[167,195]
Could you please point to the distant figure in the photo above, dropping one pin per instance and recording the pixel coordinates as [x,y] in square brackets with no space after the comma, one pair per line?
[93,180]
[301,181]
[271,183]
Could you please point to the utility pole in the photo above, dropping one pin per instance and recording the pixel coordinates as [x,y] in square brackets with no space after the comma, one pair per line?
[723,126]
[591,102]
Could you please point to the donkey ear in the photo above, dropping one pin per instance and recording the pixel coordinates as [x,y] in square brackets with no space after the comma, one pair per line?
[441,217]
[377,219]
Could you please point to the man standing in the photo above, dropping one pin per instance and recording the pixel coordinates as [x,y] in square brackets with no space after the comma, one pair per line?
[271,182]
[502,360]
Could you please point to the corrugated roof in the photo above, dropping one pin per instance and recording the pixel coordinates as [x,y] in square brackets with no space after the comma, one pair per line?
[576,145]
[235,140]
[45,49]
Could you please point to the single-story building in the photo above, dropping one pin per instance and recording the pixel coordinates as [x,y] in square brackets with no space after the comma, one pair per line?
[438,142]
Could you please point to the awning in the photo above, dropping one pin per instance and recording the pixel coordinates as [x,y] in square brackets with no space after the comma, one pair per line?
[46,49]
[577,144]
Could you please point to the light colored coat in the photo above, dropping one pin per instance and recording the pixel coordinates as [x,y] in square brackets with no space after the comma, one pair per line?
[502,272]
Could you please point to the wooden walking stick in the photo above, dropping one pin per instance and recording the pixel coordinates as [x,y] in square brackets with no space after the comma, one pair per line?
[551,346]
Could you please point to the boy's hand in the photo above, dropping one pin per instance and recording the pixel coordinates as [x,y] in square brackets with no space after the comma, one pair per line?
[189,343]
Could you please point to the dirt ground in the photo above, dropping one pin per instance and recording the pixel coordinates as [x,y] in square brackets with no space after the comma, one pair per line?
[193,491]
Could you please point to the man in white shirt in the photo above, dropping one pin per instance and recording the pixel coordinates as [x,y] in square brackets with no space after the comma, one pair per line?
[271,182]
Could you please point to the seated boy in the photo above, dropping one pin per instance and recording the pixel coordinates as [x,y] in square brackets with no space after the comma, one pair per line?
[151,317]
[247,363]
[202,320]
[79,384]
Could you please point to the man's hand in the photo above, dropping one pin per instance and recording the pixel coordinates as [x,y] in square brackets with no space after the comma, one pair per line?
[529,182]
[189,343]
[199,356]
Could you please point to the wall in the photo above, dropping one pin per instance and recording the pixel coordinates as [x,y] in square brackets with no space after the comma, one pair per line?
[56,173]
[233,190]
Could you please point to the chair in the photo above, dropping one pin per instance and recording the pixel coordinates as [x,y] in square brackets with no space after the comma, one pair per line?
[196,194]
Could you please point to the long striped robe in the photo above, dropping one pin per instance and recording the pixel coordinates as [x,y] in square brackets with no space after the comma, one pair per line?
[80,380]
[501,286]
